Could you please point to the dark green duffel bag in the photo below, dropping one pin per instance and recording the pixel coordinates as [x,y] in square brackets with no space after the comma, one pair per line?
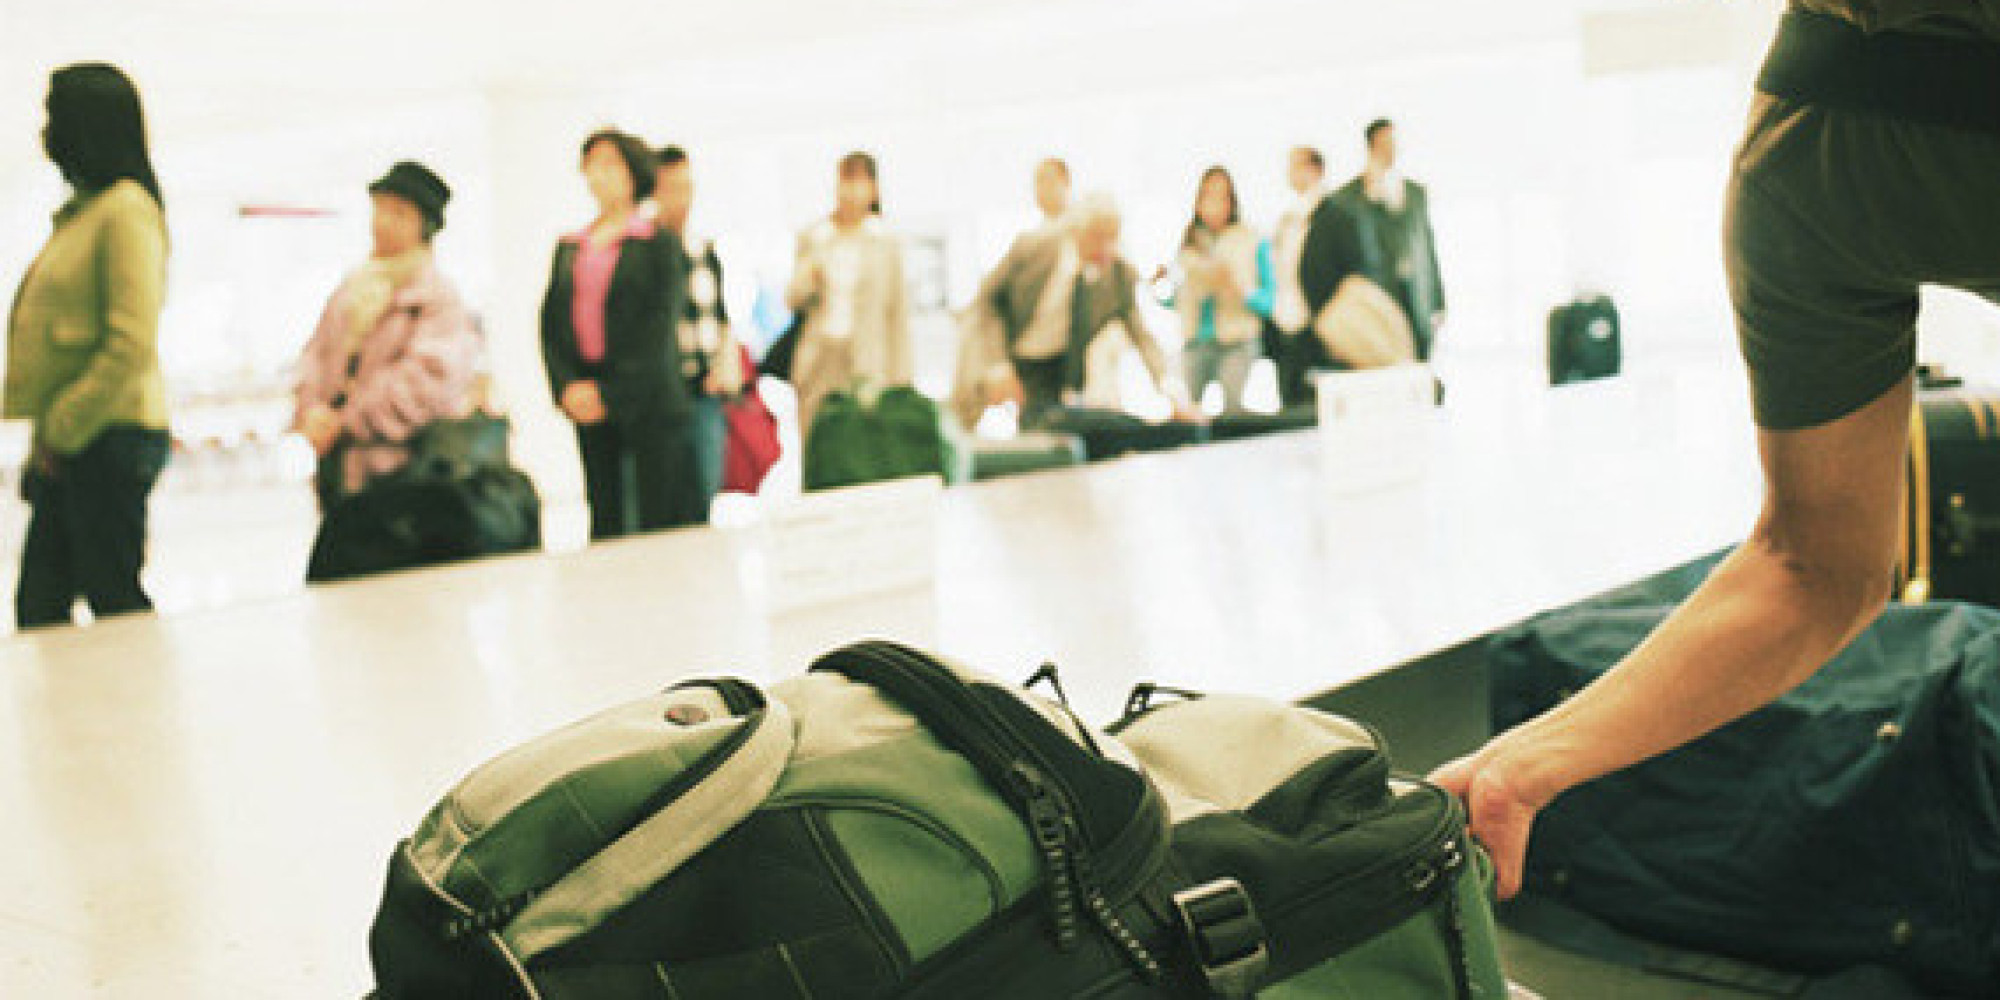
[857,439]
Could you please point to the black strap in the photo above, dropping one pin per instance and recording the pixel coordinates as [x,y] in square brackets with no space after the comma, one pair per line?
[1226,940]
[1823,60]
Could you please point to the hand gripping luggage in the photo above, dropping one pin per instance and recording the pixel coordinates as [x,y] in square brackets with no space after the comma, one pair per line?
[891,826]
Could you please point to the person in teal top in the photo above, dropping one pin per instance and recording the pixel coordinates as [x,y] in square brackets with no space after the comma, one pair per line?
[1227,289]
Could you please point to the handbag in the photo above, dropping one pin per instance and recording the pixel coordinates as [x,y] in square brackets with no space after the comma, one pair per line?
[1363,328]
[454,445]
[750,446]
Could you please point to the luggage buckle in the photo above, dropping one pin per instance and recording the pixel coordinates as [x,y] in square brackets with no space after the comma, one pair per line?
[1227,938]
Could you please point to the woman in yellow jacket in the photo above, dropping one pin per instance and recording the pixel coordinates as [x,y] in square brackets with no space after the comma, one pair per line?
[82,357]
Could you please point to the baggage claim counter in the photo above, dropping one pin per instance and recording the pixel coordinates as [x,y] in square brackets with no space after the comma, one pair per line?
[203,805]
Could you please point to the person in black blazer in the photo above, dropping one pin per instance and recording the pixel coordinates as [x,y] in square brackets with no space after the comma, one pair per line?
[611,347]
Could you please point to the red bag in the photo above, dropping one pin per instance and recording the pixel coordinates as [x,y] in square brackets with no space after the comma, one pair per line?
[751,433]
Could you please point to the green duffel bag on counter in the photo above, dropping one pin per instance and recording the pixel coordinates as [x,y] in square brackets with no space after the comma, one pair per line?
[870,437]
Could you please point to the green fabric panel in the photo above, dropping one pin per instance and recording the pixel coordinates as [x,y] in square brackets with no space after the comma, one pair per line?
[568,820]
[916,773]
[922,884]
[1413,961]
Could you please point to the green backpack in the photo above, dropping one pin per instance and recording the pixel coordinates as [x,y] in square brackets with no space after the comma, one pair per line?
[892,826]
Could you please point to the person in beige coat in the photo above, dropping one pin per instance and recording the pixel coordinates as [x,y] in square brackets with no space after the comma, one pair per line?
[1225,293]
[83,360]
[1029,334]
[848,281]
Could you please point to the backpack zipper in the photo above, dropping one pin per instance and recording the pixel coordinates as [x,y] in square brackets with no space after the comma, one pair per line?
[1052,812]
[1049,801]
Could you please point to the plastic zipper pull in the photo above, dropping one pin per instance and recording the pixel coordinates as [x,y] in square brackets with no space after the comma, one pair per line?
[1049,823]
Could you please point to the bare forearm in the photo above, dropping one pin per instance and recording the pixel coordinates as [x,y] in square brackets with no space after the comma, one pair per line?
[1761,625]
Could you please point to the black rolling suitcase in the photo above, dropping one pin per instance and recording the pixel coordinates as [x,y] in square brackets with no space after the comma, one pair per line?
[1584,341]
[1111,433]
[1237,426]
[1952,531]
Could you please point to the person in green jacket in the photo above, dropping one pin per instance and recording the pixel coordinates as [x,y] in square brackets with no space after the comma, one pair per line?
[83,361]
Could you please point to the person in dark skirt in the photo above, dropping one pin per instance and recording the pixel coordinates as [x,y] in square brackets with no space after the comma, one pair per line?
[610,343]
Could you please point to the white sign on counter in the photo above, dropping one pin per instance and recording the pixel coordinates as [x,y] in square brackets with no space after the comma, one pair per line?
[1375,426]
[841,544]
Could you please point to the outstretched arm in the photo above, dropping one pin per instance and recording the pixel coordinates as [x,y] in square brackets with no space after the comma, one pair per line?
[1814,573]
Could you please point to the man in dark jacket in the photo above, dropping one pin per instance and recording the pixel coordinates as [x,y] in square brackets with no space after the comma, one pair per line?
[1393,216]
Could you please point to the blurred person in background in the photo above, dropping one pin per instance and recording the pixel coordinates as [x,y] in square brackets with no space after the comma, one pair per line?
[1294,348]
[847,279]
[83,361]
[709,356]
[1052,187]
[611,326]
[1225,292]
[1394,214]
[395,348]
[1038,312]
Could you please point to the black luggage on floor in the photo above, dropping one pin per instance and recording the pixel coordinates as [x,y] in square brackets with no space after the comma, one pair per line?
[1584,341]
[1111,433]
[1952,533]
[427,518]
[1029,451]
[1236,426]
[1854,822]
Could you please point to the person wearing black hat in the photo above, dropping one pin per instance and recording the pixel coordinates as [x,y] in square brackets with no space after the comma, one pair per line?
[396,347]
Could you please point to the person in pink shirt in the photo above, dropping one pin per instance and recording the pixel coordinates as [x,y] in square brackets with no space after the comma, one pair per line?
[611,347]
[395,349]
